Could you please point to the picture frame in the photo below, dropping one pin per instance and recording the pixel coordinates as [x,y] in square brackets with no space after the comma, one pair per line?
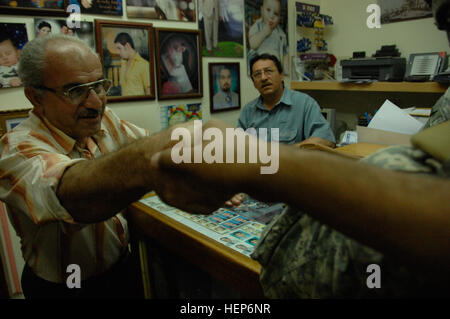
[126,53]
[11,118]
[45,25]
[100,7]
[41,8]
[13,39]
[403,10]
[224,86]
[223,34]
[174,10]
[178,63]
[277,44]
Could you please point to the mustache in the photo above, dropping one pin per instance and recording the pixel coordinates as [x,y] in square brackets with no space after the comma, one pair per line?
[90,113]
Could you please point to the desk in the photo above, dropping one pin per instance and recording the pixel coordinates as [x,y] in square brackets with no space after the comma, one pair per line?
[361,149]
[221,262]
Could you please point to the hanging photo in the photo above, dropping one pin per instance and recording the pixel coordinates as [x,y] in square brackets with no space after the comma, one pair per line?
[13,36]
[175,10]
[224,87]
[401,10]
[266,25]
[126,52]
[178,63]
[46,26]
[34,7]
[106,7]
[221,24]
[10,119]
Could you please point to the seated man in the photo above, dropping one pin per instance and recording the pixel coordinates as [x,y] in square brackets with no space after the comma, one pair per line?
[66,175]
[295,114]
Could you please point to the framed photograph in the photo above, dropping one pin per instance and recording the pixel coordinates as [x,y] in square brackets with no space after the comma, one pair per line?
[175,10]
[221,23]
[10,119]
[35,8]
[178,63]
[261,15]
[402,10]
[102,7]
[224,87]
[126,52]
[13,36]
[45,26]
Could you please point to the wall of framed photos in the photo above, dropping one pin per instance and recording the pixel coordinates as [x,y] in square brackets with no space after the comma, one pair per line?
[146,112]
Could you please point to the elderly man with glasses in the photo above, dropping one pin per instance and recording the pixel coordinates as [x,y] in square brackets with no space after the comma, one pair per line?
[66,175]
[295,114]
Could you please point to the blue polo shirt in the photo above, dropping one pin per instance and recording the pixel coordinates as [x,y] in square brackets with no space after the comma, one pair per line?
[297,115]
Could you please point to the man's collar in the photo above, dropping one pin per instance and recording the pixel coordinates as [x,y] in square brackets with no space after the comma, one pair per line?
[285,100]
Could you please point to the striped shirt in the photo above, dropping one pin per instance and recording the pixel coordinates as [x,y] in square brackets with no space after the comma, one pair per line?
[33,157]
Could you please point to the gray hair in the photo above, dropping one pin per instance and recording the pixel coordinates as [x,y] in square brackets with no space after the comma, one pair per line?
[32,60]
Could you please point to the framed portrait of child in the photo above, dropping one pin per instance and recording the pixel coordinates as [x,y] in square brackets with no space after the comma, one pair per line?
[266,26]
[13,36]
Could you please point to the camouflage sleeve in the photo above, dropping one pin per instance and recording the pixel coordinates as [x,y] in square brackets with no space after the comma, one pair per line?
[406,158]
[303,258]
[440,111]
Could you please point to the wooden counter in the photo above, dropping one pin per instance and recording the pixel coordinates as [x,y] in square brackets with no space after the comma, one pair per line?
[223,263]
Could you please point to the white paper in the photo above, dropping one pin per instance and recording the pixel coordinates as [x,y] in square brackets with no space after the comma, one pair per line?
[392,118]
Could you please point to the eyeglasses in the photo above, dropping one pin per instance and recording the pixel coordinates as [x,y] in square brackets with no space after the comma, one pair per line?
[258,74]
[78,93]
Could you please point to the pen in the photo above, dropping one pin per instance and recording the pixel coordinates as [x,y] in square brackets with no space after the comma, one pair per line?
[367,117]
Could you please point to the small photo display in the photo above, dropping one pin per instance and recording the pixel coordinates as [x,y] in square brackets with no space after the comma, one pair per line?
[224,87]
[83,30]
[13,36]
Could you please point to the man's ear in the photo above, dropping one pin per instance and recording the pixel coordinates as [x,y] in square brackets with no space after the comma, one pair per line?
[34,97]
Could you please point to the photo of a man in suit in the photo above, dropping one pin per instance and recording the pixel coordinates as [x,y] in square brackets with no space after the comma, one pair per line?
[225,97]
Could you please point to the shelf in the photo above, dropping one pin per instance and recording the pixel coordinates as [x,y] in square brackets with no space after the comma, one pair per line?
[413,87]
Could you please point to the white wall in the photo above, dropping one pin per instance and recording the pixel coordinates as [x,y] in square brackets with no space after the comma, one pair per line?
[350,32]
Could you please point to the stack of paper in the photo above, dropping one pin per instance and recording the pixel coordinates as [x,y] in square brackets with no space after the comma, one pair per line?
[392,118]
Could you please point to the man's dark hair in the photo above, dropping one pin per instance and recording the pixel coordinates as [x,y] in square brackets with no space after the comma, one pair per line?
[44,24]
[266,56]
[124,38]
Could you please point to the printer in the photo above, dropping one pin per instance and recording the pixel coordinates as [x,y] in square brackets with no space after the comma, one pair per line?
[385,65]
[380,69]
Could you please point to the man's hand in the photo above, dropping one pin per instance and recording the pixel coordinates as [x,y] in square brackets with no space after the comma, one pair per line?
[200,187]
[236,200]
